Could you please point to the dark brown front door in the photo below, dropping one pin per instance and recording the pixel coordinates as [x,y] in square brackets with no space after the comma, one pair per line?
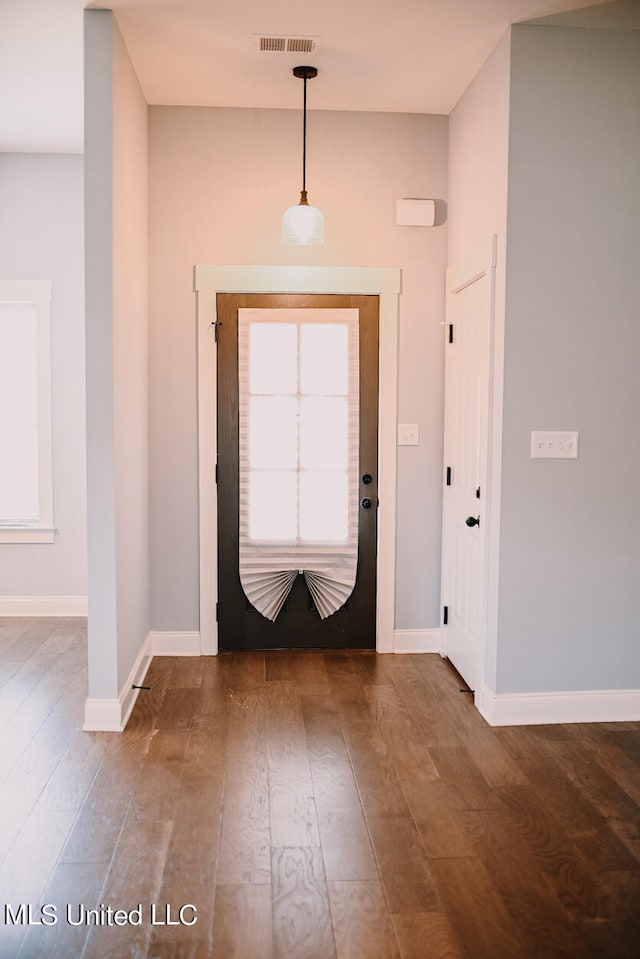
[298,625]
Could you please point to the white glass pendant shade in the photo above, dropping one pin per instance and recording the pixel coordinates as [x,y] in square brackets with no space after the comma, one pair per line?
[303,225]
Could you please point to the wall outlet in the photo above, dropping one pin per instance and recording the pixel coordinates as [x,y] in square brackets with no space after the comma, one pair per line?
[408,434]
[554,444]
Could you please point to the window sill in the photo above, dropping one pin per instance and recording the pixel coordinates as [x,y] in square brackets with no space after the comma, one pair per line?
[27,534]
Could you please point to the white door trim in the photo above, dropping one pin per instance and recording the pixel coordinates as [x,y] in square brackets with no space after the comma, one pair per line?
[362,281]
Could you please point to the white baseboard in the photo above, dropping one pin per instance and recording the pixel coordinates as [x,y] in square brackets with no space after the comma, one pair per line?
[43,605]
[165,643]
[416,641]
[530,709]
[111,715]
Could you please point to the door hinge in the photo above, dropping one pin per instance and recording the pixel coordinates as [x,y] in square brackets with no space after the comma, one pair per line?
[216,472]
[478,493]
[448,476]
[451,332]
[216,329]
[217,611]
[445,616]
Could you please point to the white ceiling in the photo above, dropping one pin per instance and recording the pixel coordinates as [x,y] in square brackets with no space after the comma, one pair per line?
[414,56]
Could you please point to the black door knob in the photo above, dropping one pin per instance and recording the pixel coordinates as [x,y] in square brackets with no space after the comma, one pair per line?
[472,521]
[366,503]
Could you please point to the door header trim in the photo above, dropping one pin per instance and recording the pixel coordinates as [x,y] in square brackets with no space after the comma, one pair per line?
[297,279]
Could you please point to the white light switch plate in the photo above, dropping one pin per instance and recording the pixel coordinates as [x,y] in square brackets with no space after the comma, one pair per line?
[408,434]
[554,444]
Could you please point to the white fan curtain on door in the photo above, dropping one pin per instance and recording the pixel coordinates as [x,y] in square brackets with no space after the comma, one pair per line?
[299,439]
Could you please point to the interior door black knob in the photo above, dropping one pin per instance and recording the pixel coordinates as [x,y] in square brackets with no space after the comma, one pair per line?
[472,521]
[366,503]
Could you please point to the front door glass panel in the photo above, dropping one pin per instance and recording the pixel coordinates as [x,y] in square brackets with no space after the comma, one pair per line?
[298,441]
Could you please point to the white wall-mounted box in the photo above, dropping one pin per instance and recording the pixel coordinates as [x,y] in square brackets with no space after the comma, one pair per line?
[414,212]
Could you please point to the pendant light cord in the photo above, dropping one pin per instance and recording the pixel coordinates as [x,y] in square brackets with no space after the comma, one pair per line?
[304,73]
[304,138]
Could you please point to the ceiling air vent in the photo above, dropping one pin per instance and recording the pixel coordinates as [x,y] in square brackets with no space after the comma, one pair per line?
[273,44]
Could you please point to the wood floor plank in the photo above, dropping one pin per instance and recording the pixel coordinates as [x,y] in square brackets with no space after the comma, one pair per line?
[579,818]
[12,747]
[613,804]
[361,920]
[576,885]
[427,935]
[435,720]
[199,807]
[406,874]
[185,672]
[71,886]
[245,839]
[15,809]
[214,691]
[623,768]
[179,707]
[302,926]
[455,766]
[307,670]
[409,755]
[378,784]
[13,628]
[27,866]
[106,803]
[133,880]
[57,663]
[481,920]
[527,895]
[614,939]
[292,807]
[8,669]
[322,728]
[199,948]
[158,785]
[73,776]
[497,766]
[242,672]
[38,762]
[243,923]
[365,667]
[346,846]
[436,811]
[190,869]
[27,636]
[246,734]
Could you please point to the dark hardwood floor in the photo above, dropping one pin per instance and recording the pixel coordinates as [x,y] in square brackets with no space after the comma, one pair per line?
[311,806]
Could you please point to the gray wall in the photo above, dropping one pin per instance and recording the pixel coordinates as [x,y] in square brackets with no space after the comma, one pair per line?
[220,180]
[569,604]
[42,238]
[116,357]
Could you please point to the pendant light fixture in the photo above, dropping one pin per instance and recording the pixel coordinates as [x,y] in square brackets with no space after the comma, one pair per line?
[303,224]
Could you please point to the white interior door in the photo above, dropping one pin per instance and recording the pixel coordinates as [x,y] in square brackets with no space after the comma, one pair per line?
[470,296]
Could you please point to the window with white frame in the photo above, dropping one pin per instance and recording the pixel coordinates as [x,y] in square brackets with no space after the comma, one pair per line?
[26,469]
